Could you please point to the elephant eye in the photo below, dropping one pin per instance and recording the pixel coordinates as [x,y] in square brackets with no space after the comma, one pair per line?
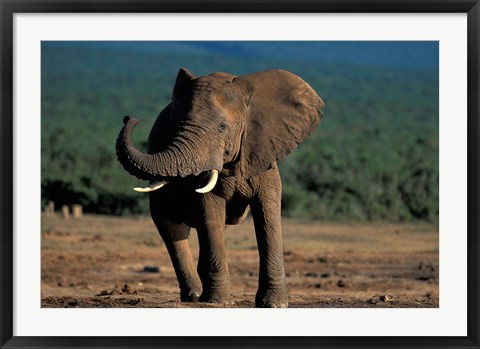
[222,127]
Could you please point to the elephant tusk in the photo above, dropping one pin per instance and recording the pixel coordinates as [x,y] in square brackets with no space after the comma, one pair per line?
[211,183]
[151,187]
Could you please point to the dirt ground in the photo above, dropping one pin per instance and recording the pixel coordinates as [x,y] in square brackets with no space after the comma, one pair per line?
[101,261]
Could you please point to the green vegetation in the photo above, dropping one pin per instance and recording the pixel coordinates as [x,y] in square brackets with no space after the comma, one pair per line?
[373,157]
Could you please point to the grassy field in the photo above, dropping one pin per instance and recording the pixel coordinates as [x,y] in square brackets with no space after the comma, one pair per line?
[102,261]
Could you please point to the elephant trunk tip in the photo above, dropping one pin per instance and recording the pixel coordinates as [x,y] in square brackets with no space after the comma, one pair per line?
[130,119]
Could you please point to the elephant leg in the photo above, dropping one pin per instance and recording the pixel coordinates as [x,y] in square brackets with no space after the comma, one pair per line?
[179,251]
[212,260]
[265,208]
[175,237]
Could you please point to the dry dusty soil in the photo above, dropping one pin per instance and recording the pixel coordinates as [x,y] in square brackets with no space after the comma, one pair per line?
[101,261]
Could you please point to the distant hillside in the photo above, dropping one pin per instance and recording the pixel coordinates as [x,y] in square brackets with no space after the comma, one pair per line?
[375,156]
[401,54]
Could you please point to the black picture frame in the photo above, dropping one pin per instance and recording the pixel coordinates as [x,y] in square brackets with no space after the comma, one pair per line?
[10,7]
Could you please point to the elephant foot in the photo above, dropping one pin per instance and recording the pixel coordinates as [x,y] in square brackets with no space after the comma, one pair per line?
[215,296]
[189,296]
[272,298]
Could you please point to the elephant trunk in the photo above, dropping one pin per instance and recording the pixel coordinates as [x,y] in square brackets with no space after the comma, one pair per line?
[176,160]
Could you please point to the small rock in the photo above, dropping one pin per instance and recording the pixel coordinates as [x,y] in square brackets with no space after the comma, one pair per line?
[341,283]
[325,275]
[423,278]
[386,298]
[126,288]
[151,269]
[72,304]
[317,285]
[321,260]
[311,274]
[105,293]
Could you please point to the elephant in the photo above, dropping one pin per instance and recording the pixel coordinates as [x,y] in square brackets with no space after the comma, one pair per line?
[211,158]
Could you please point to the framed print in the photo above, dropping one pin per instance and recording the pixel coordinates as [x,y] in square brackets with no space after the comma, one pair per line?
[318,158]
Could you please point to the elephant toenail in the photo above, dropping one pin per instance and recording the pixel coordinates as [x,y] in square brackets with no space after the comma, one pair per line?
[195,296]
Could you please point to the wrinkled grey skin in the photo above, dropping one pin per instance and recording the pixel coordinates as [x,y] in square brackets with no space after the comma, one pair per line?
[239,126]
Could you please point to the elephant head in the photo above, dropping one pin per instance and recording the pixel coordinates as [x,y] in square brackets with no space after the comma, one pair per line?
[223,124]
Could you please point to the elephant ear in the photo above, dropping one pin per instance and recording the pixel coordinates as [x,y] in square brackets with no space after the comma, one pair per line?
[282,110]
[184,77]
